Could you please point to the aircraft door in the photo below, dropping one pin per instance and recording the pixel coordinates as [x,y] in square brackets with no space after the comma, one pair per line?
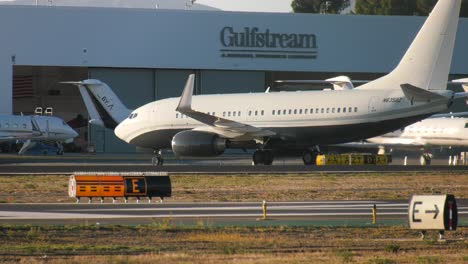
[374,104]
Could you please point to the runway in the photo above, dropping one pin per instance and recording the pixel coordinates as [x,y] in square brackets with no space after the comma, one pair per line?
[226,164]
[293,213]
[70,168]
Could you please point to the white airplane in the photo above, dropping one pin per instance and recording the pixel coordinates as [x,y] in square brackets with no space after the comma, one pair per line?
[31,129]
[206,125]
[428,134]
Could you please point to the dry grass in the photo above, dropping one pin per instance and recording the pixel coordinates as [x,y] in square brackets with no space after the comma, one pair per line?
[153,244]
[258,187]
[162,242]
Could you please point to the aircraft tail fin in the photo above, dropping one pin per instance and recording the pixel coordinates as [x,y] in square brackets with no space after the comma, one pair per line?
[426,63]
[103,105]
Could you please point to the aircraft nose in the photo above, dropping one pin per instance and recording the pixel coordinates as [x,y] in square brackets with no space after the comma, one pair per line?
[119,131]
[70,135]
[73,133]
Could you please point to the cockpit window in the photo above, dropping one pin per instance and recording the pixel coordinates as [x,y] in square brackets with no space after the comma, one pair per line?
[133,115]
[63,123]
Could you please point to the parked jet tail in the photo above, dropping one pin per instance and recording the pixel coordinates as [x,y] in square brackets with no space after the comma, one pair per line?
[426,63]
[103,105]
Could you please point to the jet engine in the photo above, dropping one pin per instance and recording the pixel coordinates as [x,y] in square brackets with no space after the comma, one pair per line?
[198,144]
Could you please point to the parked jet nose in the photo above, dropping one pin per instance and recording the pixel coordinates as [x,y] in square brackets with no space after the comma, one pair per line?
[70,135]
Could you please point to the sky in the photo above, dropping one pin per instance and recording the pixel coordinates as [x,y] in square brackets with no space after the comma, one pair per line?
[283,6]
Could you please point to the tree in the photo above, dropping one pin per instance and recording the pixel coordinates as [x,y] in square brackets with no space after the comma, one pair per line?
[385,7]
[319,6]
[401,7]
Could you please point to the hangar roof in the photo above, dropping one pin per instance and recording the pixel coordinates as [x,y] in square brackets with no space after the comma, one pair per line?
[149,4]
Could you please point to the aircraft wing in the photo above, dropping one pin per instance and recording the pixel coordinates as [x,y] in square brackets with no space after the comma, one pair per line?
[9,138]
[222,126]
[458,114]
[394,143]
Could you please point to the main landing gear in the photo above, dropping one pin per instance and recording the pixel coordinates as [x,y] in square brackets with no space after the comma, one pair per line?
[158,159]
[262,157]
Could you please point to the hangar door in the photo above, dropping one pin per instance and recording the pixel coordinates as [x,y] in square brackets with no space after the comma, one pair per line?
[134,87]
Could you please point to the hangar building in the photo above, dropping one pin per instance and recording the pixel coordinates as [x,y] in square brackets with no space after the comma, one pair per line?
[146,53]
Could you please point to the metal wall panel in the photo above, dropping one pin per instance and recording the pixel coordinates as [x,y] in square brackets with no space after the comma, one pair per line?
[220,82]
[6,86]
[170,83]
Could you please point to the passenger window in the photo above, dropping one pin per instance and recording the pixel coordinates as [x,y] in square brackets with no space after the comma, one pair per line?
[238,113]
[256,112]
[263,112]
[316,110]
[224,114]
[273,112]
[290,111]
[328,110]
[323,110]
[344,109]
[233,113]
[284,111]
[300,111]
[305,111]
[338,110]
[466,125]
[350,109]
[333,110]
[355,109]
[177,115]
[295,111]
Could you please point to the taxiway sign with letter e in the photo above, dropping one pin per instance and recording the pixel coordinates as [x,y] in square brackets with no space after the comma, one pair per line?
[433,212]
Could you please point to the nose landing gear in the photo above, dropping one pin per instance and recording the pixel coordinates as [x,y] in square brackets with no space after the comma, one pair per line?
[158,159]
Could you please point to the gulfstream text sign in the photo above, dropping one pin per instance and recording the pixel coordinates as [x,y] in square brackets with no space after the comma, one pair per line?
[256,43]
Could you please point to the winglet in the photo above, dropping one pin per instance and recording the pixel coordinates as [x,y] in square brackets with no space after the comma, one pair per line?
[185,103]
[341,83]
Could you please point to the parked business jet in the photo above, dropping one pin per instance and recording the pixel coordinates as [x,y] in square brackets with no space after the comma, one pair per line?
[31,129]
[425,135]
